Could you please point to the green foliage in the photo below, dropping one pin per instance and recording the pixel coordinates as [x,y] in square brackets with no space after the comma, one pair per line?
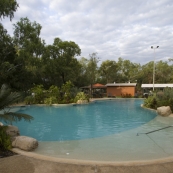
[150,102]
[50,100]
[60,64]
[108,71]
[171,103]
[126,95]
[29,47]
[54,91]
[7,8]
[38,94]
[164,98]
[8,98]
[5,141]
[53,95]
[81,96]
[29,100]
[92,69]
[67,92]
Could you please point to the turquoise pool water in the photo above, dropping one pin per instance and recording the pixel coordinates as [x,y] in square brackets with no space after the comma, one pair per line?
[78,122]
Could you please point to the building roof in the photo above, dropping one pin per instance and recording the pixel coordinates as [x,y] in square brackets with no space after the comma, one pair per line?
[97,85]
[120,84]
[156,85]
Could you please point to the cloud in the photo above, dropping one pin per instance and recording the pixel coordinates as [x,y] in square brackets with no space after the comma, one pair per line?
[112,28]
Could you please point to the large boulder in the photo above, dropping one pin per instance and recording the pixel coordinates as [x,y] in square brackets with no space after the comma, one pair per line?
[164,111]
[25,143]
[82,101]
[13,131]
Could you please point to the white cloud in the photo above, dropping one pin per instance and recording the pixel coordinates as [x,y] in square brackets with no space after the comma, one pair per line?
[112,28]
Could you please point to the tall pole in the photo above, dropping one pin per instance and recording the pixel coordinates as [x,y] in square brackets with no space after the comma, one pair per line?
[154,65]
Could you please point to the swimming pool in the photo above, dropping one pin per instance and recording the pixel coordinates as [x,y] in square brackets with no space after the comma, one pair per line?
[120,146]
[78,122]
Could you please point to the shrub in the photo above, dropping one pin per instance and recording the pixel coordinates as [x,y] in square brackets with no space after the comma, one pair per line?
[67,93]
[38,94]
[81,96]
[171,103]
[162,98]
[5,141]
[50,100]
[53,95]
[126,95]
[29,100]
[150,102]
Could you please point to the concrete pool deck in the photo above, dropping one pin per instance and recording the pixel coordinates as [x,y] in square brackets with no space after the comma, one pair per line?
[24,164]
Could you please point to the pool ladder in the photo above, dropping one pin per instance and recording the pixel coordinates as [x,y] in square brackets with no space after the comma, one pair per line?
[154,130]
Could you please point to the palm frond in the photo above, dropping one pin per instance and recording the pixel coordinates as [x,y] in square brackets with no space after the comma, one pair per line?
[8,98]
[9,117]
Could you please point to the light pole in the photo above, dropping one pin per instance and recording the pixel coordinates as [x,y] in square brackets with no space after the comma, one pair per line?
[152,47]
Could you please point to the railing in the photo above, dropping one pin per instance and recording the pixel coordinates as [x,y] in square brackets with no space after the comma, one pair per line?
[154,130]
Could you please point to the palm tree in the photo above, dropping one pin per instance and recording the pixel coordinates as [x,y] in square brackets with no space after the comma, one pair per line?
[8,98]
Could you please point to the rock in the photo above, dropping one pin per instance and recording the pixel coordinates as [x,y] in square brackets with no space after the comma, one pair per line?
[1,124]
[82,101]
[13,131]
[25,143]
[164,111]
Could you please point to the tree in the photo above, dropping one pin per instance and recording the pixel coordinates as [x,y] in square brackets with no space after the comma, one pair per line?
[8,98]
[7,49]
[162,68]
[59,59]
[7,56]
[92,69]
[83,79]
[12,71]
[128,71]
[7,8]
[30,48]
[147,73]
[108,71]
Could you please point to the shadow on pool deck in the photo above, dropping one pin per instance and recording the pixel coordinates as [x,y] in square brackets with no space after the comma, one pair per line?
[24,164]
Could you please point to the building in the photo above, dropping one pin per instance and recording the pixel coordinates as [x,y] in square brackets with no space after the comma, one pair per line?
[120,89]
[149,87]
[96,90]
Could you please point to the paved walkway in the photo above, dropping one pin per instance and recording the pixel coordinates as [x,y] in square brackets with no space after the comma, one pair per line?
[24,164]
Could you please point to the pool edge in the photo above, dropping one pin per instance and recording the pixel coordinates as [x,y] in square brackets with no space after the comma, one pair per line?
[88,162]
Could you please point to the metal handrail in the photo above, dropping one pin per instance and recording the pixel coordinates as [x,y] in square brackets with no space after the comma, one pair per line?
[154,130]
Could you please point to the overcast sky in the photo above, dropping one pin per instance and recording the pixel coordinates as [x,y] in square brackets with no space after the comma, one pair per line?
[112,28]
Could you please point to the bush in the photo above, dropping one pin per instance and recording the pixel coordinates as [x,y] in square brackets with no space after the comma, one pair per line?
[53,95]
[164,98]
[151,102]
[81,96]
[5,141]
[126,95]
[171,103]
[29,100]
[50,100]
[38,94]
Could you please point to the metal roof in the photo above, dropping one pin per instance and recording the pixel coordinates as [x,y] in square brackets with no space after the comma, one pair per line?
[156,85]
[121,84]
